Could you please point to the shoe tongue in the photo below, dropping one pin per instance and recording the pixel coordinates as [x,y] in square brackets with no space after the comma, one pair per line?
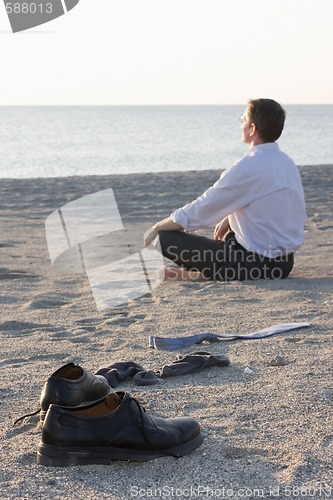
[112,401]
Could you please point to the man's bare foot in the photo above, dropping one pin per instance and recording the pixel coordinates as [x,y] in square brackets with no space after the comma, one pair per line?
[178,273]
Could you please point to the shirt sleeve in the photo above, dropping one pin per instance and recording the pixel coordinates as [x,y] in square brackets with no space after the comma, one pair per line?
[233,190]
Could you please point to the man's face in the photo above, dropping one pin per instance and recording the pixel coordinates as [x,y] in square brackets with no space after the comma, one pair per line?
[246,127]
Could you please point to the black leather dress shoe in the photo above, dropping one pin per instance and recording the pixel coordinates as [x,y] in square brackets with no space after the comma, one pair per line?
[114,428]
[71,385]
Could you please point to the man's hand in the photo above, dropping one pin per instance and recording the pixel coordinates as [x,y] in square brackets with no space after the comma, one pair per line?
[221,228]
[164,225]
[149,236]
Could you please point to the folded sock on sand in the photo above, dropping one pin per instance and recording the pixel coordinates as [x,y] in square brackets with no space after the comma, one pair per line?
[189,363]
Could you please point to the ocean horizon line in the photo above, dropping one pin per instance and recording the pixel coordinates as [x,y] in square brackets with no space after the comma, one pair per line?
[150,105]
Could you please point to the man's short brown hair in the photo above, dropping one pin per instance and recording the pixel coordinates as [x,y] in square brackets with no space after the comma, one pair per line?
[268,117]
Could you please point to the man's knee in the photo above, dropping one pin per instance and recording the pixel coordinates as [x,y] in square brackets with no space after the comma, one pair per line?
[168,237]
[168,245]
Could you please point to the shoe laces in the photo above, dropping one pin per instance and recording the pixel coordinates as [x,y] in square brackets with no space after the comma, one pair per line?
[143,430]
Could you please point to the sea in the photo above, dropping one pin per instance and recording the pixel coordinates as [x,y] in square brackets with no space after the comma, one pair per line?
[58,141]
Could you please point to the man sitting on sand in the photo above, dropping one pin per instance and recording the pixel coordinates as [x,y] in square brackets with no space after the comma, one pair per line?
[257,205]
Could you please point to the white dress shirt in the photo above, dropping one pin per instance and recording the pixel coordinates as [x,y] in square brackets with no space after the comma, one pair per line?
[262,195]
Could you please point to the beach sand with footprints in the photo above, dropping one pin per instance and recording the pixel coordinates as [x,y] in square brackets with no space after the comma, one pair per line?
[267,434]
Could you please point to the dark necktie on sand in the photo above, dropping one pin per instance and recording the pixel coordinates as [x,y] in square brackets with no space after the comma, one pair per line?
[189,363]
[175,343]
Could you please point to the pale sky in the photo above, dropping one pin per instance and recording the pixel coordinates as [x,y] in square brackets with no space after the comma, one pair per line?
[172,52]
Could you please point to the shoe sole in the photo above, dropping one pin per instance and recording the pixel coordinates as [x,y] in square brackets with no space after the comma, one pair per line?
[56,456]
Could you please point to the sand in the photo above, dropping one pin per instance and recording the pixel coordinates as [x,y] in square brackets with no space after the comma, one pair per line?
[266,435]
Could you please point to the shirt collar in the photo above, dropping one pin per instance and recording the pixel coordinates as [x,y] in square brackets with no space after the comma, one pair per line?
[266,146]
